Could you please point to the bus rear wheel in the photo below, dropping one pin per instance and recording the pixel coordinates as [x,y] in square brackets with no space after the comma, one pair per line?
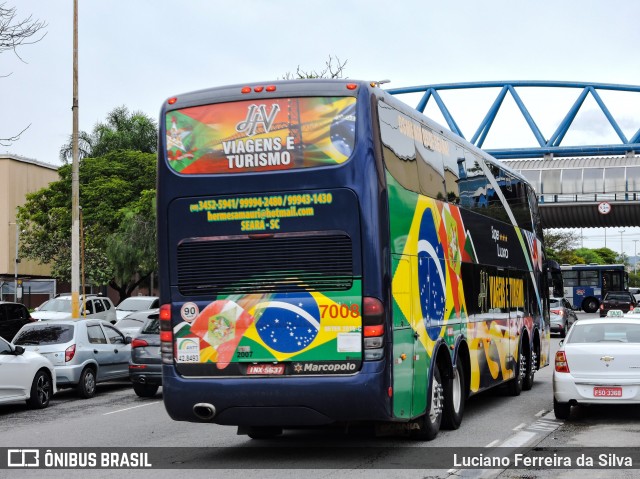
[455,393]
[590,305]
[532,366]
[429,423]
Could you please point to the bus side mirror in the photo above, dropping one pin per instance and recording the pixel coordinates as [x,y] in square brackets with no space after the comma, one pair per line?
[554,276]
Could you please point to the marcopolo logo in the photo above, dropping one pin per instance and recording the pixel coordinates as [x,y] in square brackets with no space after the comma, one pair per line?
[325,368]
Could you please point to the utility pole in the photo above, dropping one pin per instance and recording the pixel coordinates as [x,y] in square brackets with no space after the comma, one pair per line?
[75,180]
[635,256]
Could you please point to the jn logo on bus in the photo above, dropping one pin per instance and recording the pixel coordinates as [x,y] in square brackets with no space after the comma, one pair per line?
[258,115]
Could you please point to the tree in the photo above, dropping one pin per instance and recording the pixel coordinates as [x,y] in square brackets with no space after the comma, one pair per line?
[589,256]
[330,70]
[15,33]
[131,250]
[111,187]
[121,131]
[559,246]
[608,255]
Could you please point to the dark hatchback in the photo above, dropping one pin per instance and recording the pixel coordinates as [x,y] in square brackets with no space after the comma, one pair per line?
[145,366]
[12,317]
[622,300]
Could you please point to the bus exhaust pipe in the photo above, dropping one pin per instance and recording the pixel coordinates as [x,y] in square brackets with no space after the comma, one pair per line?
[204,411]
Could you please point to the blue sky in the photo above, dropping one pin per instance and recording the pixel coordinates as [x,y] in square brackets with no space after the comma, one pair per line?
[139,52]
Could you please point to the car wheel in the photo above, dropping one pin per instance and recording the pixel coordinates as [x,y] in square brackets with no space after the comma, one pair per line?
[41,391]
[561,409]
[264,432]
[429,423]
[87,386]
[454,398]
[145,390]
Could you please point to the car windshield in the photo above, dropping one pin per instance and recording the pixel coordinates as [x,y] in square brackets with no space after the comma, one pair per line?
[610,331]
[129,323]
[152,326]
[618,296]
[44,334]
[135,304]
[57,304]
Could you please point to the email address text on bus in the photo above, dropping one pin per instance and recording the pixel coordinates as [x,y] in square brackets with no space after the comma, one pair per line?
[261,213]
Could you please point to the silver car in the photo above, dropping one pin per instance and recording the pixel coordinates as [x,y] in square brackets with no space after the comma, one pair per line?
[83,352]
[91,307]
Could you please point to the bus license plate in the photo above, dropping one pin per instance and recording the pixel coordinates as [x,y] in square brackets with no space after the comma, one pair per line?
[265,369]
[609,392]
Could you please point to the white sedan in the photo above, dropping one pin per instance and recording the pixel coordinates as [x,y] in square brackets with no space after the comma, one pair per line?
[25,376]
[598,363]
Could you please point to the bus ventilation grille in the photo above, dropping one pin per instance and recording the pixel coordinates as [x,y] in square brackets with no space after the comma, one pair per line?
[268,265]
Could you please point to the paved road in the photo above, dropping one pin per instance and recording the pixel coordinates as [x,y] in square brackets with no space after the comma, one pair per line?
[116,417]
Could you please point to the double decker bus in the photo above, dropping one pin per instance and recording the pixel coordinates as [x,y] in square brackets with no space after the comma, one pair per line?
[330,255]
[586,284]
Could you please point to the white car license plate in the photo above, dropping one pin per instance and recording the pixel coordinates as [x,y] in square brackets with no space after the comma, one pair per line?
[608,392]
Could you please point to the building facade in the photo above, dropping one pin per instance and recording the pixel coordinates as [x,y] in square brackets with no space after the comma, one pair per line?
[19,176]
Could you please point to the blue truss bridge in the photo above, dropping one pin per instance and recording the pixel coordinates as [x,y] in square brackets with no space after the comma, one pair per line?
[572,181]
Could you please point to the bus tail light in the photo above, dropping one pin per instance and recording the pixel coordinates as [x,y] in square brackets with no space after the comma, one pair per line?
[373,328]
[562,366]
[166,334]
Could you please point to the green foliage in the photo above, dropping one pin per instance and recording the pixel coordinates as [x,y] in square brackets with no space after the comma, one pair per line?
[561,247]
[110,188]
[121,131]
[608,256]
[589,256]
[131,250]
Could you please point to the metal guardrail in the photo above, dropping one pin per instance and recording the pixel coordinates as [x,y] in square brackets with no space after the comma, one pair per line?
[587,197]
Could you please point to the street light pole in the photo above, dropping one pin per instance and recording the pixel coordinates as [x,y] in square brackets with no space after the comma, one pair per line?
[75,181]
[621,250]
[16,259]
[635,256]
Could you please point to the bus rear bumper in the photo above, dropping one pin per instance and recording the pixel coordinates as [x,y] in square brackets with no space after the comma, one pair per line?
[286,401]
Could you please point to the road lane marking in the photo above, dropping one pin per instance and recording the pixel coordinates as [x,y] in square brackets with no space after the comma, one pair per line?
[519,426]
[133,407]
[540,413]
[493,443]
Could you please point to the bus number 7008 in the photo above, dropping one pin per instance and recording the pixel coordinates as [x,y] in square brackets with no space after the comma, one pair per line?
[339,310]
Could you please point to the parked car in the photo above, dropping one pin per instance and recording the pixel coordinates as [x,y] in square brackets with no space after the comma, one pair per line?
[636,294]
[83,353]
[136,303]
[12,317]
[562,316]
[26,376]
[598,363]
[145,367]
[622,300]
[93,307]
[132,324]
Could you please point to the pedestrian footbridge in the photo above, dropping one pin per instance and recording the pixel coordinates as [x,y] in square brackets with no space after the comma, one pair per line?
[585,192]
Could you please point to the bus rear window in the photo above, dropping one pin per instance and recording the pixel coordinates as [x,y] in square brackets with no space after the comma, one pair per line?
[261,135]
